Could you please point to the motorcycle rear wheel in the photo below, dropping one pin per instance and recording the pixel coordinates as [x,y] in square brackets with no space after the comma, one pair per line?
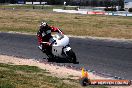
[50,56]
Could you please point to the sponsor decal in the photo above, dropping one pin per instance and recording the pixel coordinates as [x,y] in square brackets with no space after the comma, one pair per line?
[85,81]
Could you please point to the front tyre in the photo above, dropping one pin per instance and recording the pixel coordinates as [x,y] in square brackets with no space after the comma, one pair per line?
[71,56]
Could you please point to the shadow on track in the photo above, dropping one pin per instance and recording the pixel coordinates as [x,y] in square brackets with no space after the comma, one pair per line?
[60,60]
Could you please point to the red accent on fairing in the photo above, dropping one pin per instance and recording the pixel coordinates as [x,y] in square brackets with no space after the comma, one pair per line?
[55,29]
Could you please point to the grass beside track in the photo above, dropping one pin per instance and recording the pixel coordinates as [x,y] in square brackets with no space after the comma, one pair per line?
[23,76]
[40,7]
[28,20]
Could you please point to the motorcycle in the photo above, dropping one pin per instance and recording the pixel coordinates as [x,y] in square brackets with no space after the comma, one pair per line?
[61,48]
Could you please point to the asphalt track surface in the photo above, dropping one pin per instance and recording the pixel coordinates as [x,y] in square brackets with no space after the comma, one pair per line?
[103,56]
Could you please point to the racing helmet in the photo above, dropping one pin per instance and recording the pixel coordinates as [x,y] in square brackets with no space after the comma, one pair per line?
[43,24]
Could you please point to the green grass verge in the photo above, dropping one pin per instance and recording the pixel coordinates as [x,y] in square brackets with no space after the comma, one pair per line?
[27,20]
[23,76]
[42,7]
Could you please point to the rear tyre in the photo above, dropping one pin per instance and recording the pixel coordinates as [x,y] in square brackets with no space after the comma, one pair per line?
[50,56]
[71,56]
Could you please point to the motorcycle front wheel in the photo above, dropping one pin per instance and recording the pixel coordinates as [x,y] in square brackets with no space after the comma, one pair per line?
[71,56]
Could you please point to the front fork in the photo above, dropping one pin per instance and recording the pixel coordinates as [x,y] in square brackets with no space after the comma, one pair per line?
[66,49]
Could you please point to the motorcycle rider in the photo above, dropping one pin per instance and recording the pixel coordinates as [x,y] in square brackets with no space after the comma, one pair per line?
[44,34]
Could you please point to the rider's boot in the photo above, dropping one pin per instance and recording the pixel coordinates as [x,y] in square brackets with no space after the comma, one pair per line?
[40,47]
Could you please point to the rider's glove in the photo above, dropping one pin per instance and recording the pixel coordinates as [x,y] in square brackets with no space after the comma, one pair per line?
[49,44]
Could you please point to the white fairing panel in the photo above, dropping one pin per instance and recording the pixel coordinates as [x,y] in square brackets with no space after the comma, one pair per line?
[61,41]
[57,50]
